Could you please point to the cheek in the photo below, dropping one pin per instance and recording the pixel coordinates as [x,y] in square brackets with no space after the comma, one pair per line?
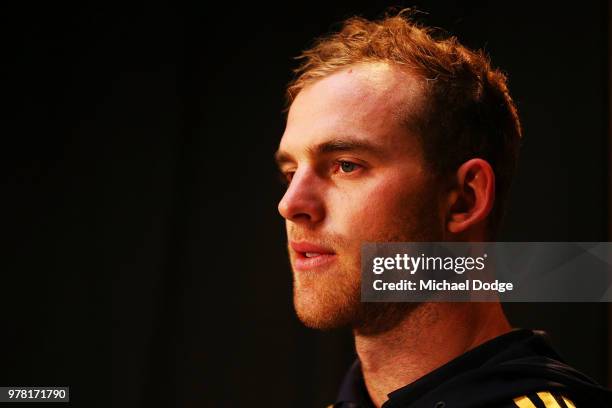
[374,207]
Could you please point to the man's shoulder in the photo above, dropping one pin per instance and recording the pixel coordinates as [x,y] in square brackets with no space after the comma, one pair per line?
[540,399]
[524,372]
[518,369]
[546,399]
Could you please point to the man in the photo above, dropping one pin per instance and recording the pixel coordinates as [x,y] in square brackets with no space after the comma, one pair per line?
[394,135]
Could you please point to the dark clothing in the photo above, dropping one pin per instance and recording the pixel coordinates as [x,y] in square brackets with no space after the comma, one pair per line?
[517,369]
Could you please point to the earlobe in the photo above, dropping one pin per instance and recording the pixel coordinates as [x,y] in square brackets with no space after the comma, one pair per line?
[472,198]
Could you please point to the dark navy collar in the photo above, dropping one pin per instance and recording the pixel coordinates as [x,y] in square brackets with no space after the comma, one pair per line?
[353,392]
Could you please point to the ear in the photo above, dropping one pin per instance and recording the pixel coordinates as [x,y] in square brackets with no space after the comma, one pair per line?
[472,198]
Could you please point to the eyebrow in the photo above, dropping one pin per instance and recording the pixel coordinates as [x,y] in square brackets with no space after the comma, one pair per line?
[333,146]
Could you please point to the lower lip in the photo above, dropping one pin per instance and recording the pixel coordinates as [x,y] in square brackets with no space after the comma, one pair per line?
[303,263]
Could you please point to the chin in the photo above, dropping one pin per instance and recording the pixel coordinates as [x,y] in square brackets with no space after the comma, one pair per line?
[325,311]
[320,320]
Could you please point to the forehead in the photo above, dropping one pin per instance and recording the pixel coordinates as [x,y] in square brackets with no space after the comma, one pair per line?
[365,101]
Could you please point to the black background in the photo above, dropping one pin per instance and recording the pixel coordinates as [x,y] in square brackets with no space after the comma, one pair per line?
[145,262]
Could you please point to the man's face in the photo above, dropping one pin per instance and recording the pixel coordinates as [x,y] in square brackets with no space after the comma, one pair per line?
[356,175]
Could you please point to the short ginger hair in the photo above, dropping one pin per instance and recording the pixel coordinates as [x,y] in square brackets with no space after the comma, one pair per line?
[468,111]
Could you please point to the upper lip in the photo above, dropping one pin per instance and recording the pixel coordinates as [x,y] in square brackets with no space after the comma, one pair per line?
[304,247]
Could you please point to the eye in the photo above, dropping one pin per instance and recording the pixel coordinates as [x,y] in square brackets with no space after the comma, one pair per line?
[286,177]
[348,167]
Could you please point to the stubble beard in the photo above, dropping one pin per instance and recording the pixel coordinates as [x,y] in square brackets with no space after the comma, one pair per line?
[332,298]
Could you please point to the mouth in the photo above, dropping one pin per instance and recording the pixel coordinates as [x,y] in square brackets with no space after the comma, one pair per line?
[310,256]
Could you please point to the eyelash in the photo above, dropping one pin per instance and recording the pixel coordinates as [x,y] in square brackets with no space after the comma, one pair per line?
[287,176]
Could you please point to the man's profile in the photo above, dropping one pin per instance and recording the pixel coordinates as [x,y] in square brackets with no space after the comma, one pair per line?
[395,135]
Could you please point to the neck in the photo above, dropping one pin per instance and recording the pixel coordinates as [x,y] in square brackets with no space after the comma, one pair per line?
[427,338]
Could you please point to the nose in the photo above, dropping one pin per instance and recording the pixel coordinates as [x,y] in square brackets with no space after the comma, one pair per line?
[302,202]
